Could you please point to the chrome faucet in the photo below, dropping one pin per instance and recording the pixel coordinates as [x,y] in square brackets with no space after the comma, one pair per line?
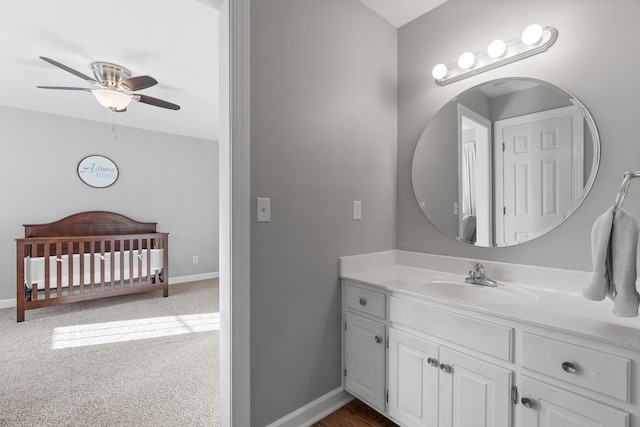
[478,277]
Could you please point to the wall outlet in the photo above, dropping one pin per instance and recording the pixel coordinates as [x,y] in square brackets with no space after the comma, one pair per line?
[195,259]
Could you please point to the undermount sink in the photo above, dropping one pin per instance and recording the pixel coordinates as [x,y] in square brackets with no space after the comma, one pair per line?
[479,294]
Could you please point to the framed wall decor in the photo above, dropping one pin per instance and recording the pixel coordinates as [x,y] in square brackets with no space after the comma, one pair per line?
[97,171]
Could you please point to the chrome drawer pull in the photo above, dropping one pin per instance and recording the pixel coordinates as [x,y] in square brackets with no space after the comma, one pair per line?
[363,301]
[432,362]
[445,368]
[569,368]
[378,339]
[527,403]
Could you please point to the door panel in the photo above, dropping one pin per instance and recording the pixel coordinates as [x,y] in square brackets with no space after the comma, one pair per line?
[539,172]
[553,407]
[474,393]
[413,381]
[537,175]
[364,347]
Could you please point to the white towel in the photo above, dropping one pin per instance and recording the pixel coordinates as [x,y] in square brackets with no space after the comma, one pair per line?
[614,248]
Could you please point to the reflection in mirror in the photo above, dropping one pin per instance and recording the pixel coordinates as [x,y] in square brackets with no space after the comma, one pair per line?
[505,162]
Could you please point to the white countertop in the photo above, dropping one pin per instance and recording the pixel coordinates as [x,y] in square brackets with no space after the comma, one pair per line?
[562,310]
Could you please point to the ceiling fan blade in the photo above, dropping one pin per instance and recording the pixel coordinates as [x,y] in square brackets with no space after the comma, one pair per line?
[70,70]
[64,88]
[154,101]
[139,83]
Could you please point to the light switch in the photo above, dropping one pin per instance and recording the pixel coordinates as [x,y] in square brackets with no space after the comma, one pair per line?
[357,210]
[263,213]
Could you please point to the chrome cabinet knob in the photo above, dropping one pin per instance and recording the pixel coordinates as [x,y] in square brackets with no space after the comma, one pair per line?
[445,368]
[527,403]
[432,362]
[569,368]
[378,339]
[363,301]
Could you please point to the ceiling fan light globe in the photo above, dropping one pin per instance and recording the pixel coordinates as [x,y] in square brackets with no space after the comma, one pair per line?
[112,99]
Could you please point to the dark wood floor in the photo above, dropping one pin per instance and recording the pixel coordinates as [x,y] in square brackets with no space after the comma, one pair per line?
[355,414]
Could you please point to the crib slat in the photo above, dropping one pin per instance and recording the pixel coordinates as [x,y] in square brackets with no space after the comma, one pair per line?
[81,244]
[148,261]
[47,272]
[92,266]
[112,265]
[101,265]
[58,256]
[139,262]
[131,263]
[121,264]
[70,268]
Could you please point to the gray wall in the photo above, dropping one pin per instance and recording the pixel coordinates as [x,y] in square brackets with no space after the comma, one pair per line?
[323,133]
[169,179]
[592,59]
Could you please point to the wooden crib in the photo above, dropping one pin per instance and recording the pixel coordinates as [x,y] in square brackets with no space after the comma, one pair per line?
[89,255]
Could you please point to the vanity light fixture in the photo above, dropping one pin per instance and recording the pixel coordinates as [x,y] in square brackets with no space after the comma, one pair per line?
[534,39]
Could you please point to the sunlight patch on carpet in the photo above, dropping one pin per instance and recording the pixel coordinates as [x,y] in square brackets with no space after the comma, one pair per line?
[130,330]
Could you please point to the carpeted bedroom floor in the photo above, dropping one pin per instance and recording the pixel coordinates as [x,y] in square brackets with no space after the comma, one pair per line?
[136,360]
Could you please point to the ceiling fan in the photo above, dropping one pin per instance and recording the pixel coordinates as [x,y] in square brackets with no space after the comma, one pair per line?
[115,86]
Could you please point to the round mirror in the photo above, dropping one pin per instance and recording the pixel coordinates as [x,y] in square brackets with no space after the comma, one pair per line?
[505,162]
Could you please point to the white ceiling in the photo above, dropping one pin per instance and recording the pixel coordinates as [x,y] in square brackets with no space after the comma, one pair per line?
[174,41]
[400,12]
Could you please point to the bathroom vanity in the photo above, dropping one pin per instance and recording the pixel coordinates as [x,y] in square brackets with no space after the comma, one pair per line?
[424,348]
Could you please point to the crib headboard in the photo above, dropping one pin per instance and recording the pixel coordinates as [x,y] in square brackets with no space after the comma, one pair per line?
[92,223]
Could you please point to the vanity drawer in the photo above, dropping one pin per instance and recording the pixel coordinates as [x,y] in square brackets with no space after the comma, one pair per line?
[592,369]
[485,337]
[365,301]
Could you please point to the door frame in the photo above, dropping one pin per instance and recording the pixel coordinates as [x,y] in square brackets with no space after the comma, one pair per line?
[484,216]
[235,227]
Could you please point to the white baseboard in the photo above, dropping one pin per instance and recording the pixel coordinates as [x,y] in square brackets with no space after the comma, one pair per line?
[193,278]
[316,410]
[7,303]
[11,302]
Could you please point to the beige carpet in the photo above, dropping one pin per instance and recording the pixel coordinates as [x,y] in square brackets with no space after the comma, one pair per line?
[136,360]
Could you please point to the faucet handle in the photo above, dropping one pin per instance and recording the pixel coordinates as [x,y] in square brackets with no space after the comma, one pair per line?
[477,267]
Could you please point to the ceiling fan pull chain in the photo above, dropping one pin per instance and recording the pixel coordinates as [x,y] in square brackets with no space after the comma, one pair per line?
[113,126]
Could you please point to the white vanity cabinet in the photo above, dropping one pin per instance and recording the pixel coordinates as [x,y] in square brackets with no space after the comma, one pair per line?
[450,365]
[433,385]
[364,345]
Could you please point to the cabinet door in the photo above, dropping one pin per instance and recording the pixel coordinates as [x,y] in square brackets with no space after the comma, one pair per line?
[365,368]
[413,379]
[548,406]
[473,392]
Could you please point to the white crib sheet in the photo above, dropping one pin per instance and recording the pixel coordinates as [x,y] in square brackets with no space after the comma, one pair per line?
[35,268]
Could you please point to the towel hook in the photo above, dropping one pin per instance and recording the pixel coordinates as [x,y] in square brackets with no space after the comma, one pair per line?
[624,187]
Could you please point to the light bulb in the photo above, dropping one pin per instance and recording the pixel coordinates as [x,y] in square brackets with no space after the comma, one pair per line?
[439,71]
[466,60]
[497,48]
[532,34]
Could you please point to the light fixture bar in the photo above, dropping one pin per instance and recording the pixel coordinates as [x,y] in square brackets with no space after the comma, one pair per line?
[515,50]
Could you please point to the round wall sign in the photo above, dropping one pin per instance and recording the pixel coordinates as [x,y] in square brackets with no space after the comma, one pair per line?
[97,171]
